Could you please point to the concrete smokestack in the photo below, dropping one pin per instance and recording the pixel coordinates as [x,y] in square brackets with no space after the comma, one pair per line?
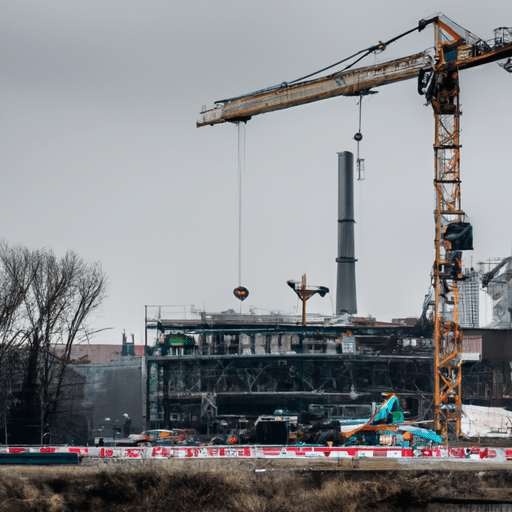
[346,262]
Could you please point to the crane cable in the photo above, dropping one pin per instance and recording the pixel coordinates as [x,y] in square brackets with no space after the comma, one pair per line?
[241,166]
[372,49]
[240,292]
[376,48]
[358,137]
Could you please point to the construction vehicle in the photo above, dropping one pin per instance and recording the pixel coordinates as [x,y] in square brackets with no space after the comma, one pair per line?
[386,426]
[437,72]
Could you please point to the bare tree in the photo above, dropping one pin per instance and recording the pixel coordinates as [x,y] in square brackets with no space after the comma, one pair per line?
[88,286]
[17,267]
[61,295]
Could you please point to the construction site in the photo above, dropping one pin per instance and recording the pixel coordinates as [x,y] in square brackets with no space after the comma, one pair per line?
[205,370]
[233,368]
[265,383]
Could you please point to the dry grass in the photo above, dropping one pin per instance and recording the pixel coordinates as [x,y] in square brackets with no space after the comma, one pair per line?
[164,488]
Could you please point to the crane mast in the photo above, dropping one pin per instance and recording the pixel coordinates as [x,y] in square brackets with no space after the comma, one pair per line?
[447,265]
[438,79]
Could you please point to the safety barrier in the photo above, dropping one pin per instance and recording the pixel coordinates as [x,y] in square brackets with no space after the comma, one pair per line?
[39,459]
[269,452]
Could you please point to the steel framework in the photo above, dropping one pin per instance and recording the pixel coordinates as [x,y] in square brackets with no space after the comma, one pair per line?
[448,214]
[448,336]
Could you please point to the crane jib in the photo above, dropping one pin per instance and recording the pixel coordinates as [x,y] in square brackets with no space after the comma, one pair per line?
[347,83]
[461,55]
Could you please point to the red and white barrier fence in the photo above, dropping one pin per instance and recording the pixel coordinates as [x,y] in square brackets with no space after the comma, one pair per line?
[264,452]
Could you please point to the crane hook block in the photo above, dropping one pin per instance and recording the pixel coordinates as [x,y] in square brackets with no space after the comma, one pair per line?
[358,136]
[241,293]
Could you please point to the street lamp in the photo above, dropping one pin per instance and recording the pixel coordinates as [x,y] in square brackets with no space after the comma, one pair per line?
[116,431]
[127,425]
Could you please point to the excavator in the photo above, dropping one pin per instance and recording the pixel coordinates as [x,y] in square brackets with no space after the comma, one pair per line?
[437,73]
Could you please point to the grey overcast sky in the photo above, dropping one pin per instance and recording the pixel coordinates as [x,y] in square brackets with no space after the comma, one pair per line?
[100,153]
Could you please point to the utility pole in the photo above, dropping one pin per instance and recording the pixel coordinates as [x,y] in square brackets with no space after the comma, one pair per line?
[304,293]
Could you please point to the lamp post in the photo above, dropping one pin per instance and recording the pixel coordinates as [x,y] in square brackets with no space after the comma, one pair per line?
[116,431]
[127,427]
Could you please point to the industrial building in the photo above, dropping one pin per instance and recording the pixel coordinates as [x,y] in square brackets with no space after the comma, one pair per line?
[231,367]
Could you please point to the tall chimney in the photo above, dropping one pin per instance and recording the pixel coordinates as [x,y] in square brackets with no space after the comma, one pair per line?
[346,262]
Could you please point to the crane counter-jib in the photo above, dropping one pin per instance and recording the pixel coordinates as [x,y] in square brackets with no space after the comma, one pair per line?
[347,83]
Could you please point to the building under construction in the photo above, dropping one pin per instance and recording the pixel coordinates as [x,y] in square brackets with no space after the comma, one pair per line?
[231,367]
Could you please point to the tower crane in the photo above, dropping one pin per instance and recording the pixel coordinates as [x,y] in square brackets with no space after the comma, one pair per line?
[437,71]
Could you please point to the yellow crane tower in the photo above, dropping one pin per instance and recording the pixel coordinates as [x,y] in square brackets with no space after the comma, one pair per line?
[437,72]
